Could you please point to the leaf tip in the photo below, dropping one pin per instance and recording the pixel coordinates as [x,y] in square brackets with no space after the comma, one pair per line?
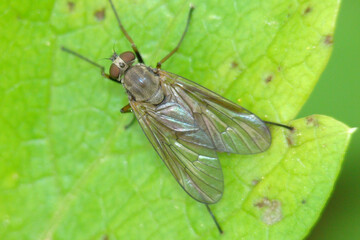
[352,130]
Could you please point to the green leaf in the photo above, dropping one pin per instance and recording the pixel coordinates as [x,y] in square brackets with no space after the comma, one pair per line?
[69,170]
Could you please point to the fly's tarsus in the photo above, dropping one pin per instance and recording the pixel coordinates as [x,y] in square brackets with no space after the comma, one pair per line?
[280,125]
[127,126]
[158,66]
[214,218]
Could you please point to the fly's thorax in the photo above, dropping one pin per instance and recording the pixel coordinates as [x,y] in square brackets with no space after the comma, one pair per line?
[143,84]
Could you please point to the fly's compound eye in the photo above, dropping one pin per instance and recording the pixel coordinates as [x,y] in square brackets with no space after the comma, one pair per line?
[120,64]
[128,57]
[114,71]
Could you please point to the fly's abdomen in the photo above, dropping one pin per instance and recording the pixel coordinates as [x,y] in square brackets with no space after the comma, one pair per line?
[143,84]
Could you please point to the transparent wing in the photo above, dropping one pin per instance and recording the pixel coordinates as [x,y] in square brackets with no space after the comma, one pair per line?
[231,128]
[185,148]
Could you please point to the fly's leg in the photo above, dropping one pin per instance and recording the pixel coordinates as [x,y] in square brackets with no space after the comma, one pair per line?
[91,62]
[279,125]
[137,53]
[130,123]
[158,66]
[127,109]
[214,218]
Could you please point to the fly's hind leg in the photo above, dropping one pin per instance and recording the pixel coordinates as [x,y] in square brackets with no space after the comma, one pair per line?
[127,109]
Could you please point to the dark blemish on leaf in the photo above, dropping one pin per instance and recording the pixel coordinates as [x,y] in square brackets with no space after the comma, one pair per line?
[307,10]
[100,14]
[311,121]
[269,78]
[255,182]
[290,137]
[234,64]
[303,201]
[71,6]
[289,140]
[271,209]
[264,202]
[279,68]
[105,237]
[329,40]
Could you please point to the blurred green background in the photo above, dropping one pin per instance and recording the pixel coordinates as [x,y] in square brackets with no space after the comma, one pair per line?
[337,95]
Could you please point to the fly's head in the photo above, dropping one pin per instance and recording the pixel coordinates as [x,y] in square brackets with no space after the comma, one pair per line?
[120,64]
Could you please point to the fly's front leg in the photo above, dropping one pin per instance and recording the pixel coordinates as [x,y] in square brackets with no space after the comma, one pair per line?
[91,62]
[137,52]
[127,109]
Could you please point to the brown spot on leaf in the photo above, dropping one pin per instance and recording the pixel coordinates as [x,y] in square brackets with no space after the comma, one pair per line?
[71,6]
[279,68]
[312,121]
[307,10]
[303,201]
[100,14]
[264,202]
[328,40]
[289,140]
[271,209]
[269,78]
[105,237]
[234,64]
[290,137]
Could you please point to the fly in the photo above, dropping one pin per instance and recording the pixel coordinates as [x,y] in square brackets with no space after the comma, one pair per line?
[186,123]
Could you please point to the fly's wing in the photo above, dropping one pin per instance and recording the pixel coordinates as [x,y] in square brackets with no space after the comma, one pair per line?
[185,148]
[231,128]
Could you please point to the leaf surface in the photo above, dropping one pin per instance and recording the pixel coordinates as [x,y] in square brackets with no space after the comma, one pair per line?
[69,170]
